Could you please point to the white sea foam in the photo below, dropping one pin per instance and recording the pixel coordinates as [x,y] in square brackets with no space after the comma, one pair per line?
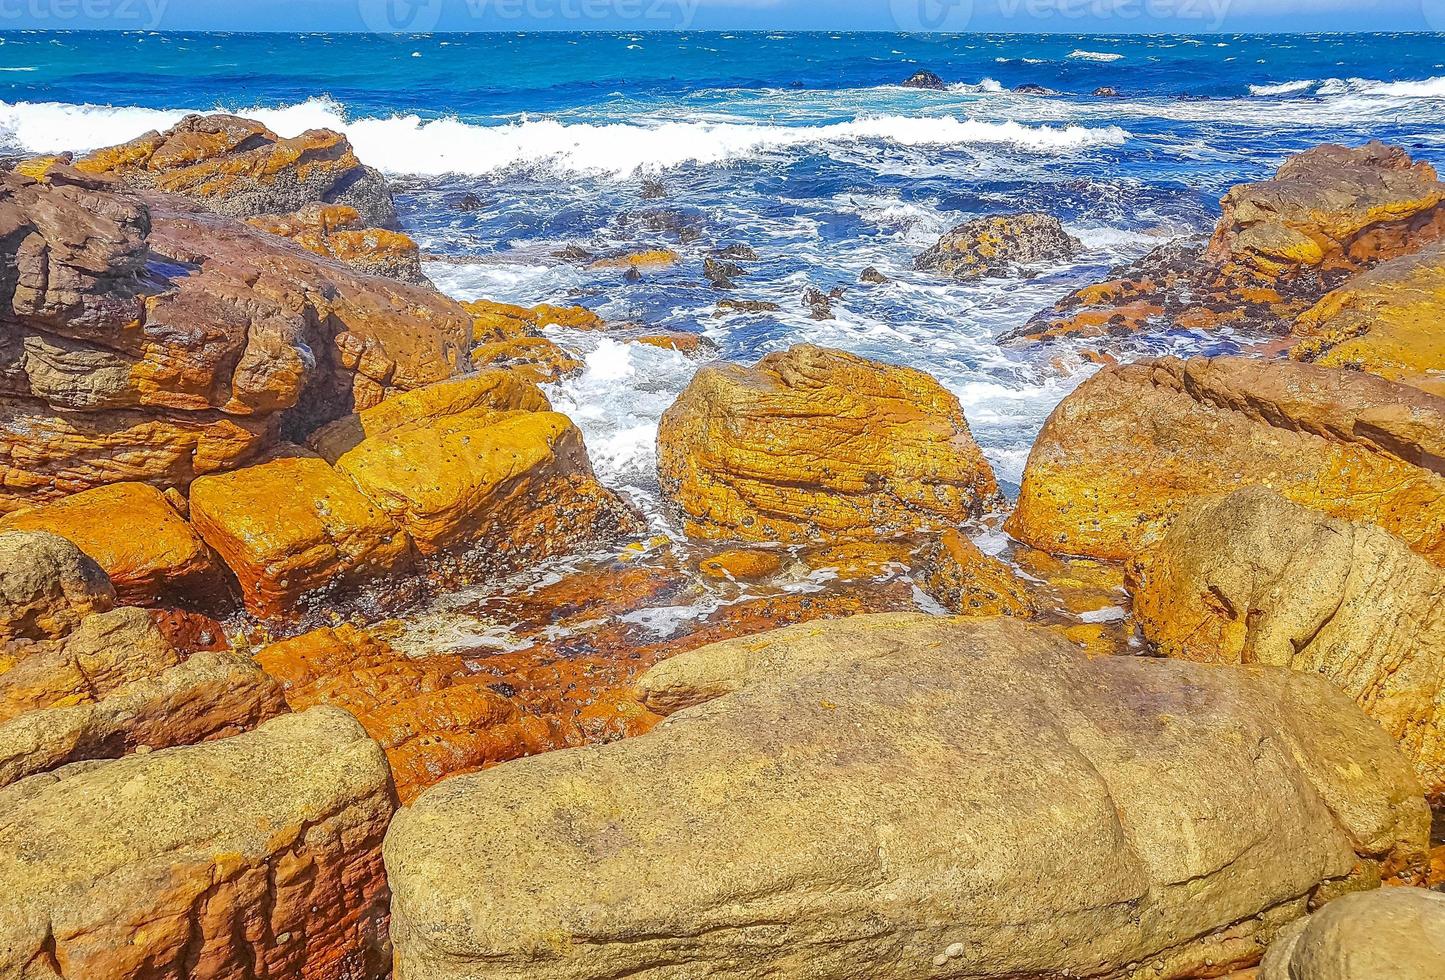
[412,145]
[1283,88]
[1095,55]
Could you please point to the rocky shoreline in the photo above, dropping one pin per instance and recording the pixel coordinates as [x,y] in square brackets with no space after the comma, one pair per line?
[1184,722]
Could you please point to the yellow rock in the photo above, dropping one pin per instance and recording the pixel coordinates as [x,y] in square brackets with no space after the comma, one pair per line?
[292,527]
[970,583]
[815,444]
[655,258]
[153,557]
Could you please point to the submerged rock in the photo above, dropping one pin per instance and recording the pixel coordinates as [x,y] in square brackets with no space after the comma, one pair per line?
[257,855]
[999,245]
[873,277]
[239,167]
[1279,246]
[924,79]
[870,797]
[1136,441]
[1252,578]
[816,444]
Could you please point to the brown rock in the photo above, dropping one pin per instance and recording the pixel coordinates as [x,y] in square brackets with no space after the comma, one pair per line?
[1252,578]
[1280,245]
[968,582]
[293,527]
[337,231]
[1136,441]
[150,553]
[251,856]
[239,167]
[150,341]
[814,443]
[999,245]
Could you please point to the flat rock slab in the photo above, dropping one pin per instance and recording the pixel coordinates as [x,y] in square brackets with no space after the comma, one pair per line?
[903,796]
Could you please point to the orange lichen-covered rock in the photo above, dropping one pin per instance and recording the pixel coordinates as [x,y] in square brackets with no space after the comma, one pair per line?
[239,167]
[691,344]
[432,715]
[1134,442]
[742,564]
[518,482]
[533,358]
[653,258]
[852,560]
[148,340]
[152,556]
[510,336]
[1385,321]
[1279,246]
[252,856]
[337,231]
[1252,578]
[970,583]
[815,443]
[293,527]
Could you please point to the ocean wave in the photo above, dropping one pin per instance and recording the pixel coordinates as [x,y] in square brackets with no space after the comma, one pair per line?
[408,144]
[1283,88]
[1095,55]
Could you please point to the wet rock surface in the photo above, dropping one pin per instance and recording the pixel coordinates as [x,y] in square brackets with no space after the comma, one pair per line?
[998,245]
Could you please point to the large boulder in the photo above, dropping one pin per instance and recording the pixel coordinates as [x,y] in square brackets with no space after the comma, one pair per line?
[999,245]
[1385,321]
[252,856]
[815,443]
[239,167]
[873,797]
[1279,246]
[1252,578]
[167,565]
[148,340]
[478,464]
[1390,934]
[1135,441]
[337,231]
[48,587]
[292,527]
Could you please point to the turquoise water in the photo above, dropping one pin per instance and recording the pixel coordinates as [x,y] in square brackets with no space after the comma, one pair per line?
[801,146]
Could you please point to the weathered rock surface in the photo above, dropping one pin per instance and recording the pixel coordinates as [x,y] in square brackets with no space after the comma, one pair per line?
[1385,321]
[151,554]
[239,167]
[292,527]
[48,587]
[969,583]
[999,245]
[815,443]
[337,231]
[1137,440]
[210,695]
[252,856]
[432,715]
[147,340]
[1389,934]
[1279,246]
[511,337]
[924,79]
[1252,578]
[869,798]
[478,462]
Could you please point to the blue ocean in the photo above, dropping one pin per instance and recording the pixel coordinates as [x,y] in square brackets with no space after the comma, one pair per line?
[508,148]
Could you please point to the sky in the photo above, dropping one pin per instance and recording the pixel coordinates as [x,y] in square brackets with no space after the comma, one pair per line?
[1025,16]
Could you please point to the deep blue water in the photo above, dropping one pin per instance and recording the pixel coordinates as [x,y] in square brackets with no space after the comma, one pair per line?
[802,146]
